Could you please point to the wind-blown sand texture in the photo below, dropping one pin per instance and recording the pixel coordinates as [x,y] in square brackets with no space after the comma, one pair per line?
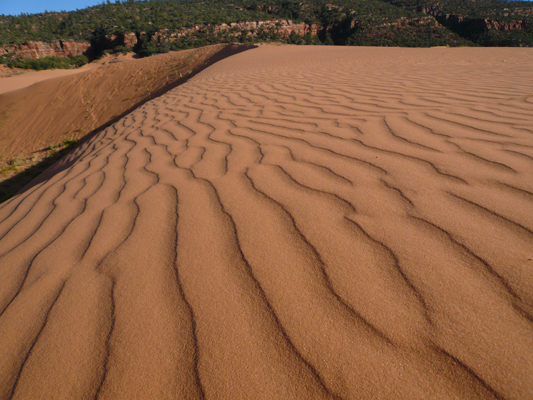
[70,107]
[291,223]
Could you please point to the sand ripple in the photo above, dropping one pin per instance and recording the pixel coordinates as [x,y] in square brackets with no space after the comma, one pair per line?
[293,222]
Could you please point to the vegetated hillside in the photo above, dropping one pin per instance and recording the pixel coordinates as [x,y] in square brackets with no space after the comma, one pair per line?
[486,22]
[497,9]
[94,23]
[157,26]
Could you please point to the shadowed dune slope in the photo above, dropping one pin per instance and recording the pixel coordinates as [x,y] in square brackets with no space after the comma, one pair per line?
[291,223]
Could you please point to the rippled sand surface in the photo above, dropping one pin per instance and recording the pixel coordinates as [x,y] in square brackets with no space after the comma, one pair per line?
[292,222]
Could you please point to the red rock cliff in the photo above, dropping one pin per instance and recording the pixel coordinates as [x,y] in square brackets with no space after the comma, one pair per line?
[57,48]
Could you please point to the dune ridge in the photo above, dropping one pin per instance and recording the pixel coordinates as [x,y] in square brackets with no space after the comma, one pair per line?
[71,104]
[292,222]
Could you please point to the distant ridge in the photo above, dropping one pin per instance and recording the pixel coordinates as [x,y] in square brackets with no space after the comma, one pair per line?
[407,23]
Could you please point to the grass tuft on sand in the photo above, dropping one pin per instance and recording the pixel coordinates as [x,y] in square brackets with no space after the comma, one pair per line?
[17,172]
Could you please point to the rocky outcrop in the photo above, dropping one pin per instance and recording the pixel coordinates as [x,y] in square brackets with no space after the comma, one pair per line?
[36,50]
[66,48]
[410,22]
[451,20]
[130,39]
[284,28]
[505,25]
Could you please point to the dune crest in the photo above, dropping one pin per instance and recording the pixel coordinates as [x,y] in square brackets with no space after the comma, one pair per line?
[73,103]
[292,222]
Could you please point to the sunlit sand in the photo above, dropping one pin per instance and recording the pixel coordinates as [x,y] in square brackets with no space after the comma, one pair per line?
[292,222]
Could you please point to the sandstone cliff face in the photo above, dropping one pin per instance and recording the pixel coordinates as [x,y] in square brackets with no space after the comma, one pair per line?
[57,48]
[65,48]
[284,28]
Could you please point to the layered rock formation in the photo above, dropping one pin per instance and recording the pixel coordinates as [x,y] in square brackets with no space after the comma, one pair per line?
[57,48]
[284,28]
[66,48]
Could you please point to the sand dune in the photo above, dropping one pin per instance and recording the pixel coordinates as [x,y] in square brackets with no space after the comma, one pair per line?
[70,107]
[18,79]
[293,222]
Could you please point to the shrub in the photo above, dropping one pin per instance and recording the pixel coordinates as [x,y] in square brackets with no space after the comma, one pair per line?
[122,49]
[79,61]
[68,142]
[45,63]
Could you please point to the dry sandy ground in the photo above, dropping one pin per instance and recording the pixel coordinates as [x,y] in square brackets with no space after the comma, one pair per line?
[70,107]
[293,222]
[18,79]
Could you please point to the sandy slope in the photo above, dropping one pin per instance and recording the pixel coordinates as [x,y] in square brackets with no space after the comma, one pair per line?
[293,222]
[17,78]
[73,106]
[14,81]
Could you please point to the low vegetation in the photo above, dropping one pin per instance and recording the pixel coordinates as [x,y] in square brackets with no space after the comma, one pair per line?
[17,172]
[411,23]
[44,63]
